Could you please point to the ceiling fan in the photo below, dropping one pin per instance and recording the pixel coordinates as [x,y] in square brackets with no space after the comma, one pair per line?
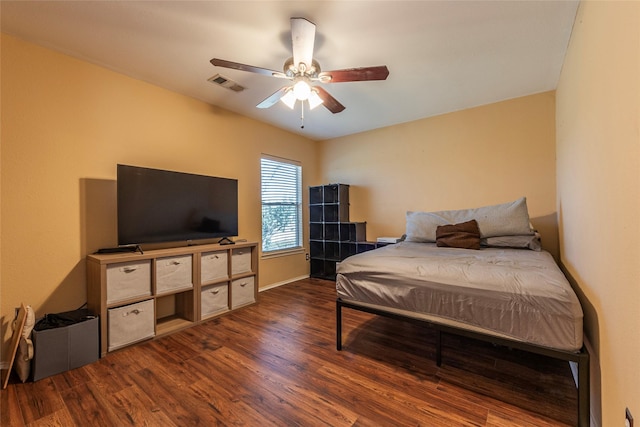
[304,71]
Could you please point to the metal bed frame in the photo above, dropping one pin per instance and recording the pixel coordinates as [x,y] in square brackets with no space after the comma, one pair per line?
[581,358]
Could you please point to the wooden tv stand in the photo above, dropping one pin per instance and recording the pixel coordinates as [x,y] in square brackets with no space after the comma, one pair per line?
[139,296]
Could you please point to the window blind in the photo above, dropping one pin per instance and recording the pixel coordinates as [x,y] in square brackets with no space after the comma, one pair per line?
[281,190]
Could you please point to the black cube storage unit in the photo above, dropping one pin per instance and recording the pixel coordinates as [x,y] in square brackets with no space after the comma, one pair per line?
[332,237]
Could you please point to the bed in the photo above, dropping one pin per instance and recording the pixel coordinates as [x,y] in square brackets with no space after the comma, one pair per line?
[479,273]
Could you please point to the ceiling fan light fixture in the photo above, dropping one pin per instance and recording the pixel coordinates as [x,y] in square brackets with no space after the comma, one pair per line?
[289,99]
[302,70]
[314,99]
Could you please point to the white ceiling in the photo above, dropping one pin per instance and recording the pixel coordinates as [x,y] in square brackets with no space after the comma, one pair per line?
[442,56]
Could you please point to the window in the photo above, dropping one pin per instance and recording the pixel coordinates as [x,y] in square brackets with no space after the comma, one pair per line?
[281,204]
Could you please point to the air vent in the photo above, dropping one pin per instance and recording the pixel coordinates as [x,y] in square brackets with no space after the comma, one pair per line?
[226,82]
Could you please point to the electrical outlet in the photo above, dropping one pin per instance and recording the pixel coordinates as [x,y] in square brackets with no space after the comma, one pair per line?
[628,418]
[306,256]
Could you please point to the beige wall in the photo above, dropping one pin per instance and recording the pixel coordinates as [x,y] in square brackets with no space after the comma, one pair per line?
[65,126]
[480,156]
[598,146]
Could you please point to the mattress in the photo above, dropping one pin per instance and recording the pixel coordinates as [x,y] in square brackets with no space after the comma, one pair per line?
[517,294]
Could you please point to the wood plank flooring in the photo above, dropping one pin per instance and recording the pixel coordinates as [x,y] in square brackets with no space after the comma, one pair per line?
[275,364]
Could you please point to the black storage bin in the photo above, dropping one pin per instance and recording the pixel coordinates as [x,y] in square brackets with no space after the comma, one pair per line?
[64,341]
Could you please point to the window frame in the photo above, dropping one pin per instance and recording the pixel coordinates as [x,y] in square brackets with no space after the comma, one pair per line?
[298,247]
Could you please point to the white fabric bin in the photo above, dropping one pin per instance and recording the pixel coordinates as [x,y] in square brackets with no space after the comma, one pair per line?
[131,323]
[213,266]
[174,273]
[243,291]
[214,299]
[128,280]
[240,261]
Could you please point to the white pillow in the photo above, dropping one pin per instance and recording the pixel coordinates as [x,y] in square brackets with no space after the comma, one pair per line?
[524,242]
[507,219]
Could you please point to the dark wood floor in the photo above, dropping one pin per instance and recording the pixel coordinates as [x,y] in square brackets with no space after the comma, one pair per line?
[275,364]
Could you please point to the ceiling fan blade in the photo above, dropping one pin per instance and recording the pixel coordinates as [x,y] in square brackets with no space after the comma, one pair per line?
[270,101]
[356,74]
[329,101]
[242,67]
[303,36]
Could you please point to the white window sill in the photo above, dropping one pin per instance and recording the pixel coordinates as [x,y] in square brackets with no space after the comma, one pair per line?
[283,252]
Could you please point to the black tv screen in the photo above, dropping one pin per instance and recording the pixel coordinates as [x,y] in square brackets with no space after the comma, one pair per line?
[157,206]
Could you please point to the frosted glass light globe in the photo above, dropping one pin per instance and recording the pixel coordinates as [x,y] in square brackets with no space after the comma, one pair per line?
[301,90]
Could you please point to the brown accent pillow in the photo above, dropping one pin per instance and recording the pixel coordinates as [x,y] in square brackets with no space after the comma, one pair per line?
[465,235]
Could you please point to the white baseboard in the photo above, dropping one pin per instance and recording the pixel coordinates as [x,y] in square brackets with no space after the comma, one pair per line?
[275,285]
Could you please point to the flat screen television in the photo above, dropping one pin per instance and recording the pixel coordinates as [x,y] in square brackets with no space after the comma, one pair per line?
[161,206]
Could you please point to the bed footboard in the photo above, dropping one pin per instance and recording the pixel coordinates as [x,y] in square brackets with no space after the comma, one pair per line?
[581,358]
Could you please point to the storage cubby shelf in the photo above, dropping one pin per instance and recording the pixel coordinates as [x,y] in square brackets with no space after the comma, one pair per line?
[141,296]
[332,237]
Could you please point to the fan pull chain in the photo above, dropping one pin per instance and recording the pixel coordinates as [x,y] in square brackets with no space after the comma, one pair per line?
[301,114]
